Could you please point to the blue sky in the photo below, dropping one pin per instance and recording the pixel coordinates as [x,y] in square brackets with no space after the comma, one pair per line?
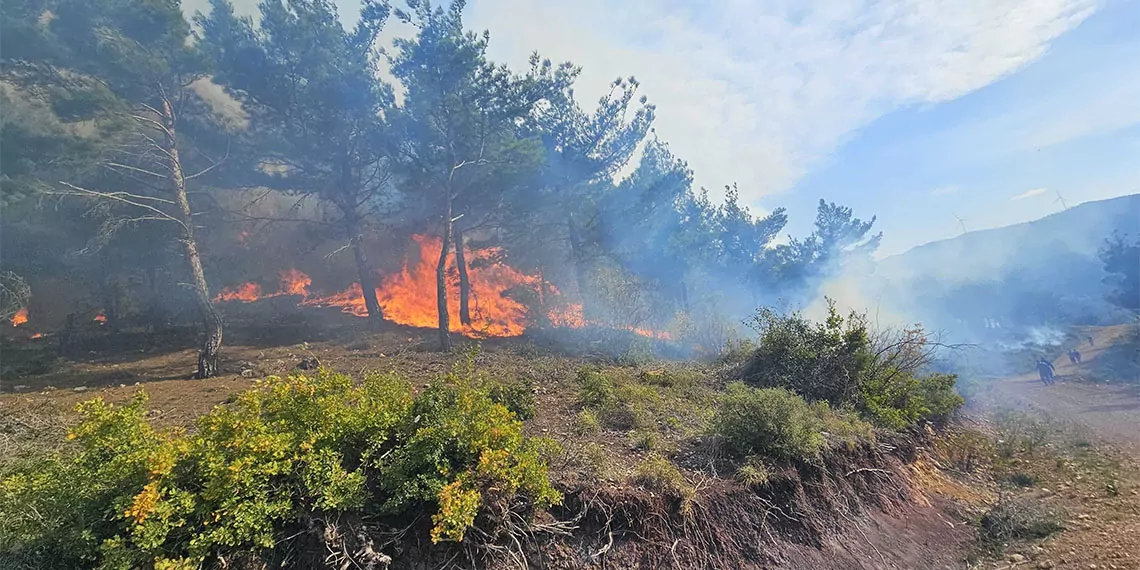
[1068,124]
[912,110]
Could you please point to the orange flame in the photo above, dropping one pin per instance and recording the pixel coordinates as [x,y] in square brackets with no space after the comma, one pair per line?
[294,282]
[38,335]
[570,316]
[20,317]
[101,318]
[246,293]
[409,297]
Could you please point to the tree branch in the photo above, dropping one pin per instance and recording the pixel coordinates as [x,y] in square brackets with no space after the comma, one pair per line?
[119,197]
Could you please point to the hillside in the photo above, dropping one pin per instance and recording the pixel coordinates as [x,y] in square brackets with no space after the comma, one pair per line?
[1043,273]
[1067,236]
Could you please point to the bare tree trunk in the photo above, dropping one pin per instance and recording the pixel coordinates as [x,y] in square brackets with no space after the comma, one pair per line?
[363,270]
[579,258]
[211,320]
[464,281]
[441,279]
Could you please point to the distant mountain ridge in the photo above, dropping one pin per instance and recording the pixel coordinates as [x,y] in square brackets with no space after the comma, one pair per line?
[1043,273]
[1079,230]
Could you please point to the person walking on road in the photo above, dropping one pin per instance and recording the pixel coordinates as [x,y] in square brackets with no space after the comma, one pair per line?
[1045,370]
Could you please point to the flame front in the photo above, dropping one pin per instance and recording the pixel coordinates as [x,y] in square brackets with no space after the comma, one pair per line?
[246,293]
[20,317]
[409,297]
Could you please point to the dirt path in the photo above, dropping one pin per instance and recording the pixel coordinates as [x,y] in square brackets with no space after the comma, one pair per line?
[1111,413]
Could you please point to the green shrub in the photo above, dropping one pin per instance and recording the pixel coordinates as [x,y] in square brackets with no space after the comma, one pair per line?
[842,362]
[659,474]
[588,422]
[768,421]
[736,351]
[754,472]
[842,426]
[517,396]
[58,509]
[128,496]
[940,398]
[595,387]
[820,361]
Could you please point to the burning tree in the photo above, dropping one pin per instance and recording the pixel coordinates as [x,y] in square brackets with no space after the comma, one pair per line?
[121,74]
[317,108]
[460,119]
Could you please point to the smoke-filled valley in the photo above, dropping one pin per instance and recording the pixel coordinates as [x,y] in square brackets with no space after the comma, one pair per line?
[282,293]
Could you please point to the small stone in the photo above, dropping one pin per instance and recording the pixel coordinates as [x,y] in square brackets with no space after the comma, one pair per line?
[1015,558]
[79,389]
[1083,516]
[1045,564]
[20,387]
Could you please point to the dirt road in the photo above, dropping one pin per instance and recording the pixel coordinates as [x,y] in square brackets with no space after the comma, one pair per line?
[1108,412]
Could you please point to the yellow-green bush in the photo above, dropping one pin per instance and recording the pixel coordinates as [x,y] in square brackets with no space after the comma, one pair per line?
[659,474]
[776,423]
[772,422]
[669,399]
[128,496]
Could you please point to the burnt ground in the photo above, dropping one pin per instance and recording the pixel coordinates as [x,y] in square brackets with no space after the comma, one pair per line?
[932,527]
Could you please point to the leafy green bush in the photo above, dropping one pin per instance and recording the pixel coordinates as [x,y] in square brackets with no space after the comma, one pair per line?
[820,361]
[841,362]
[517,396]
[772,422]
[128,496]
[670,398]
[736,351]
[939,397]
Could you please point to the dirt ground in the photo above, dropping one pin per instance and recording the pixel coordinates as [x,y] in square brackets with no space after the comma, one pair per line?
[1090,470]
[935,532]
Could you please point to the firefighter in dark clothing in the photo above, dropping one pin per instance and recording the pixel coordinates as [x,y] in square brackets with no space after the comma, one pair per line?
[1075,356]
[1045,370]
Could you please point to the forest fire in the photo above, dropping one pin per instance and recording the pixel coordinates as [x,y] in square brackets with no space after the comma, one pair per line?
[101,318]
[409,298]
[20,317]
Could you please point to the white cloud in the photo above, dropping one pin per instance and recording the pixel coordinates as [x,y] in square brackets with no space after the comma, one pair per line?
[759,92]
[944,190]
[1030,194]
